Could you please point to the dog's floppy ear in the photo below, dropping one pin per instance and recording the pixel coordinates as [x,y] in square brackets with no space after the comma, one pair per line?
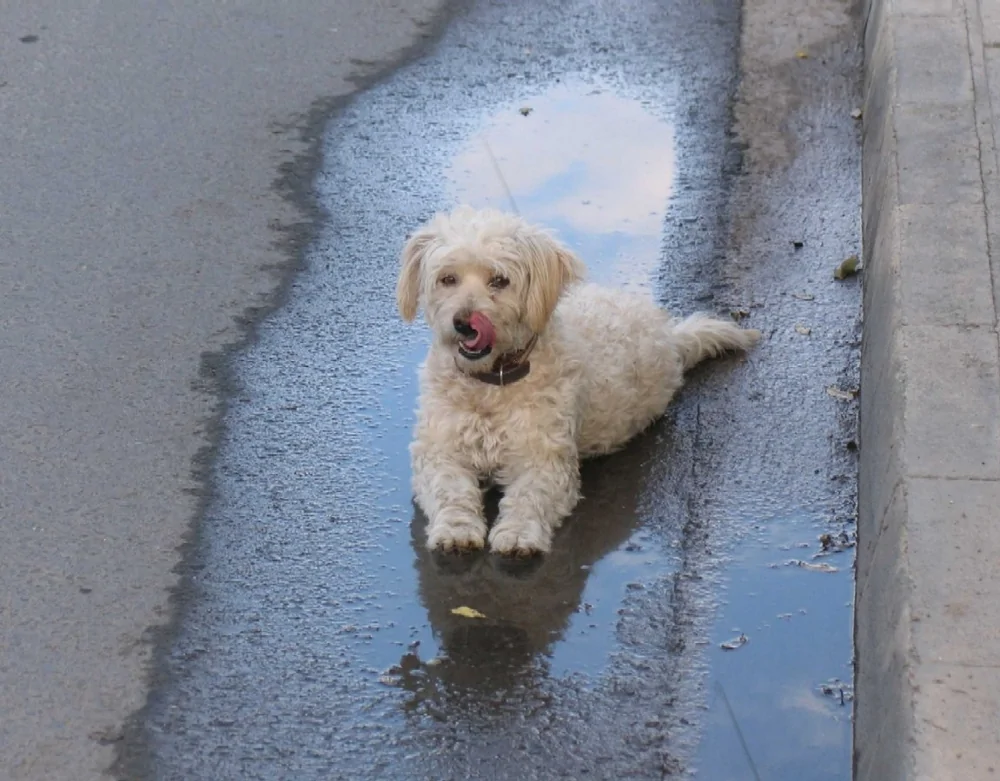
[408,284]
[551,268]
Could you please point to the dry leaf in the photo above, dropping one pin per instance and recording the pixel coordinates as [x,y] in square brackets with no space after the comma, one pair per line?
[801,54]
[801,329]
[736,642]
[843,395]
[467,612]
[847,268]
[804,296]
[739,314]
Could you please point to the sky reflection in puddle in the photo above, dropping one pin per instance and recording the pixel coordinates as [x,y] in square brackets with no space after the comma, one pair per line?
[595,167]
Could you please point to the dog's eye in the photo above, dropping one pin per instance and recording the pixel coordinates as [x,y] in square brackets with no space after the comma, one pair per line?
[448,280]
[499,282]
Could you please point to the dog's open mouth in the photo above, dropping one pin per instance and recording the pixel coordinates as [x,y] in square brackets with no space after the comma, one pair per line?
[473,355]
[481,344]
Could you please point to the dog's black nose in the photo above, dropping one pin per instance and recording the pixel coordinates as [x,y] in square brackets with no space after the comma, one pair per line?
[461,323]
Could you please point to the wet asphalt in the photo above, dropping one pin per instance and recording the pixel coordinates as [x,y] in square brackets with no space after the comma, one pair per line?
[315,638]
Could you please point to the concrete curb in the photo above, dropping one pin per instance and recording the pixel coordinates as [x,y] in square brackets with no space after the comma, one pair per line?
[928,601]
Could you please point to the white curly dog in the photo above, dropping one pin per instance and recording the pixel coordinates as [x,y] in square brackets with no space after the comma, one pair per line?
[603,366]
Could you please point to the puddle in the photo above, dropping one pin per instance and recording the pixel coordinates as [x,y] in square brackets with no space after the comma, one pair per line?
[784,702]
[320,642]
[598,169]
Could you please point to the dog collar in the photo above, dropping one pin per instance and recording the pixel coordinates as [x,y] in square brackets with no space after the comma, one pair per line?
[509,367]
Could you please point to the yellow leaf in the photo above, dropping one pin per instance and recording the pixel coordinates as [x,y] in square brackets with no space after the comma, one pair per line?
[801,54]
[467,612]
[847,268]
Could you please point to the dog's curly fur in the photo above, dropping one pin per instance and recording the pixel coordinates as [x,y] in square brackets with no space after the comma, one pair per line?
[605,365]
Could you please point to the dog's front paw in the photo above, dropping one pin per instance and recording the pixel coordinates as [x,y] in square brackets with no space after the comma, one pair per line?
[456,536]
[520,539]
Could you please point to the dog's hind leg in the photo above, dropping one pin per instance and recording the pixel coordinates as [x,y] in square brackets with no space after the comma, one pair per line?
[701,336]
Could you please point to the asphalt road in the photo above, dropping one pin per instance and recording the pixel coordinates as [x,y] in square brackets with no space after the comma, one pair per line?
[274,599]
[713,161]
[156,157]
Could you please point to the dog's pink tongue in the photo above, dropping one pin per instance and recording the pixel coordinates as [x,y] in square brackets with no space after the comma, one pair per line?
[485,333]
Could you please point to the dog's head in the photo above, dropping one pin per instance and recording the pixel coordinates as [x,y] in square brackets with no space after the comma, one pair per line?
[487,281]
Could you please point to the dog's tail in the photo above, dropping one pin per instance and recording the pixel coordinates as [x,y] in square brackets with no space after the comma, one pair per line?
[701,336]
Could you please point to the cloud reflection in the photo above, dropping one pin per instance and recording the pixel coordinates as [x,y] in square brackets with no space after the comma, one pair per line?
[595,166]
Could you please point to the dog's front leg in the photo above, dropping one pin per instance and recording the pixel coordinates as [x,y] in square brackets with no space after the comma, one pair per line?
[538,496]
[450,496]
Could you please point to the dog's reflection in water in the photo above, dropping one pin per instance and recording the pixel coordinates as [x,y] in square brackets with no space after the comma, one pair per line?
[527,603]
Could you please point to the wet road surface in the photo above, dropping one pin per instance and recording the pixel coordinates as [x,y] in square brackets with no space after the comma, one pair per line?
[315,636]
